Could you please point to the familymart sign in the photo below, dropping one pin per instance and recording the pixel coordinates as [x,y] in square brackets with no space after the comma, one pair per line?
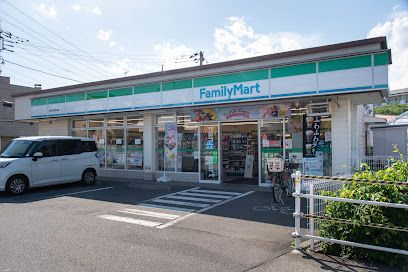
[350,74]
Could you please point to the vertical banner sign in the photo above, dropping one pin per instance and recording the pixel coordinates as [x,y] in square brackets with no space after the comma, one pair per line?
[311,135]
[170,145]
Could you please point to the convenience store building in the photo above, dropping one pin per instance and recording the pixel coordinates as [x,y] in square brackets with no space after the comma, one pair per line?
[305,105]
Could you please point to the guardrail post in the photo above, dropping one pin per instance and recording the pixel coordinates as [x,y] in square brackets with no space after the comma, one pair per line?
[297,214]
[311,212]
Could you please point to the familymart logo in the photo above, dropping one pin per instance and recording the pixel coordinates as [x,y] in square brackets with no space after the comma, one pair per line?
[229,91]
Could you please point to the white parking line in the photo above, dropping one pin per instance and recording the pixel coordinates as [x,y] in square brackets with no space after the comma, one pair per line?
[182,203]
[130,220]
[163,207]
[214,192]
[205,195]
[202,210]
[82,192]
[194,199]
[149,213]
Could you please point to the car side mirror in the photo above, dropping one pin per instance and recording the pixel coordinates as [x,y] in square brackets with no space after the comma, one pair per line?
[37,155]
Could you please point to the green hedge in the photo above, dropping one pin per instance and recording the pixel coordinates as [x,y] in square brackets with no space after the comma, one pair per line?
[394,109]
[366,214]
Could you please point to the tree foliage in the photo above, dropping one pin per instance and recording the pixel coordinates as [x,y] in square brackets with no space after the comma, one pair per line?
[367,214]
[393,109]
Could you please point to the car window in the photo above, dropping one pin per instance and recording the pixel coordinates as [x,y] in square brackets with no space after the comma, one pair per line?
[88,146]
[49,148]
[70,147]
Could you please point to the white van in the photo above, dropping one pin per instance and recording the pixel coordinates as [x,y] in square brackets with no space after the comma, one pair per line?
[29,162]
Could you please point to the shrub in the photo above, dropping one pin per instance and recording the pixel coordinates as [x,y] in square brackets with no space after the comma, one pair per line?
[366,214]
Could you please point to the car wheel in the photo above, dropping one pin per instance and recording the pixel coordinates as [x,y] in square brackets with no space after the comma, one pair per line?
[16,185]
[89,177]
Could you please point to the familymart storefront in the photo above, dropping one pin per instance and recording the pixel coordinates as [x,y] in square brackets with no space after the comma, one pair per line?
[220,122]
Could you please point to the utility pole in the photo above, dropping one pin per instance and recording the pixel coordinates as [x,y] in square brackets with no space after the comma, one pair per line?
[201,58]
[1,48]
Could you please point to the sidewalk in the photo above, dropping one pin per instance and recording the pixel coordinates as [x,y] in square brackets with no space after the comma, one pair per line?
[310,261]
[169,186]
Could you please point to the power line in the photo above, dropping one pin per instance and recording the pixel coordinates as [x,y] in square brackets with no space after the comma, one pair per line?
[7,61]
[68,42]
[33,32]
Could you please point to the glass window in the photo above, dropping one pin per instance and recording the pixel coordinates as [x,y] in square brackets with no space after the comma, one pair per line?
[271,143]
[99,138]
[88,146]
[209,152]
[183,118]
[79,124]
[134,156]
[18,149]
[115,122]
[159,148]
[70,147]
[164,118]
[80,133]
[49,149]
[93,123]
[294,141]
[187,149]
[115,148]
[135,120]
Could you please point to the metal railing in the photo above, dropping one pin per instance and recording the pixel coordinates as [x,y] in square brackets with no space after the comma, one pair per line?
[316,210]
[376,163]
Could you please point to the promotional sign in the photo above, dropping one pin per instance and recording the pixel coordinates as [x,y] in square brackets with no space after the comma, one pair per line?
[241,113]
[170,145]
[311,135]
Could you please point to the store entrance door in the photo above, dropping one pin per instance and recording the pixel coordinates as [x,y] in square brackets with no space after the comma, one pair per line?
[239,152]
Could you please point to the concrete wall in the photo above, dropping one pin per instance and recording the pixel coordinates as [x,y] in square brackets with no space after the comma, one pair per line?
[8,126]
[55,127]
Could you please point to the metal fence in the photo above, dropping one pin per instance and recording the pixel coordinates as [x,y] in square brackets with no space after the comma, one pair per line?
[376,163]
[313,188]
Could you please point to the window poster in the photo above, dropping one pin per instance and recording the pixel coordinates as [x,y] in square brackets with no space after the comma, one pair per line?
[170,145]
[311,135]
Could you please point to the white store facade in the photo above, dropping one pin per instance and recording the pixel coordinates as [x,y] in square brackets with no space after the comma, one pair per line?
[229,117]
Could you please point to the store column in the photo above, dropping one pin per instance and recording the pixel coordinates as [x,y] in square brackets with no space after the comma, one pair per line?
[341,136]
[148,146]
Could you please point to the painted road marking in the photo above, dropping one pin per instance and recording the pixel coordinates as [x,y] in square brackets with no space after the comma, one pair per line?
[81,192]
[150,213]
[214,192]
[163,207]
[130,220]
[182,203]
[194,199]
[205,195]
[202,210]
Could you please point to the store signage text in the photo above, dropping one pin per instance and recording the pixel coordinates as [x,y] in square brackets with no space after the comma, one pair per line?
[229,91]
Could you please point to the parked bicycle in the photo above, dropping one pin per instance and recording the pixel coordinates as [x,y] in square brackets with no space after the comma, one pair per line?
[280,172]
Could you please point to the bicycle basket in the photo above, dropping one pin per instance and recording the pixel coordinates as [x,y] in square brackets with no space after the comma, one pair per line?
[275,164]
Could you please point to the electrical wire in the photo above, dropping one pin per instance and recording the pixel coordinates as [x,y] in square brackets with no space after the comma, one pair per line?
[7,61]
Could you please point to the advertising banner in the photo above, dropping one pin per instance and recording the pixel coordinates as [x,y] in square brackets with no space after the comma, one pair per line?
[241,113]
[170,145]
[311,135]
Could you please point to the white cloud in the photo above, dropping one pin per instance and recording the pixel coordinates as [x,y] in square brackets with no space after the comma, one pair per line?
[76,7]
[94,10]
[173,56]
[396,31]
[104,35]
[45,10]
[112,43]
[239,40]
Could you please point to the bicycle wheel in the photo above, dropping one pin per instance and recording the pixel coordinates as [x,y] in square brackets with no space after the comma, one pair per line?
[277,194]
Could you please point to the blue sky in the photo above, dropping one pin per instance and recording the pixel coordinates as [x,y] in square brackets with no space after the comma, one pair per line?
[105,39]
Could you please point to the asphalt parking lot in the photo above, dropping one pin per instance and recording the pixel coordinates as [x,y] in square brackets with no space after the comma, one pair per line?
[116,227]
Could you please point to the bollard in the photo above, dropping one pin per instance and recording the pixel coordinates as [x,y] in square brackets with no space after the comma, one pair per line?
[297,213]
